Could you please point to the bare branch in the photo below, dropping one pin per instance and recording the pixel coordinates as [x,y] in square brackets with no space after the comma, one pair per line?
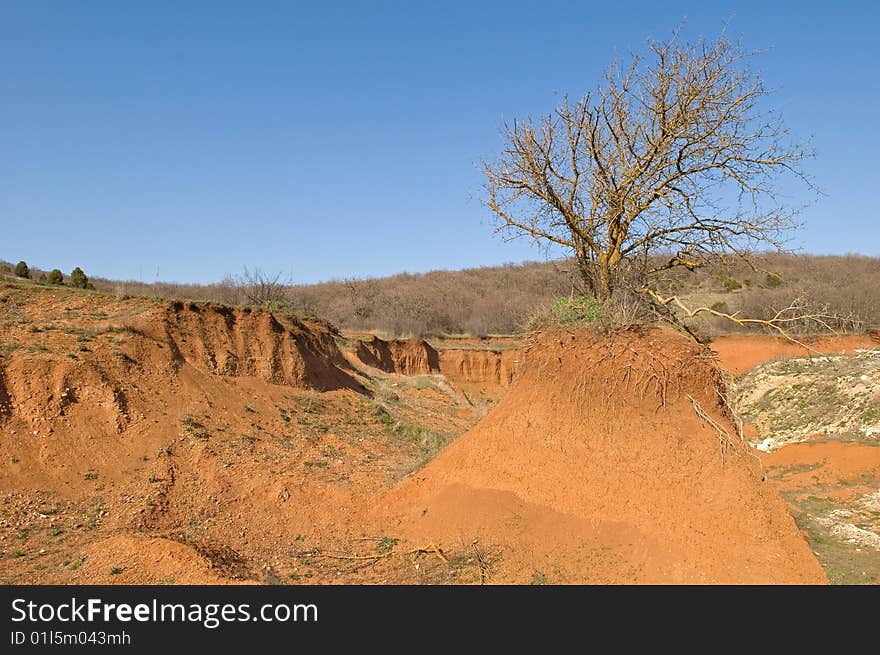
[779,323]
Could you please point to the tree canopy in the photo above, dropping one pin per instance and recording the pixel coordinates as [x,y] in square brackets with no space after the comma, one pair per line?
[672,161]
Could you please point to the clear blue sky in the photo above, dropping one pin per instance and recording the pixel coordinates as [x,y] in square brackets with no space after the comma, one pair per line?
[344,140]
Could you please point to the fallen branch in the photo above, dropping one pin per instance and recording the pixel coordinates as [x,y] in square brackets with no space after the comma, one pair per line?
[779,323]
[429,549]
[357,557]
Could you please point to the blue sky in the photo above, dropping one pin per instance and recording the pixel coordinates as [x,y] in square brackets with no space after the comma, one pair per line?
[190,138]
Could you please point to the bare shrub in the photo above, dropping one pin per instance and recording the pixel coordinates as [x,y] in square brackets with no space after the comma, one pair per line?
[229,291]
[261,289]
[625,310]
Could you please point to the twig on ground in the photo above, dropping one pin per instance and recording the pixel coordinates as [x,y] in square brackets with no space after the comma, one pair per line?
[429,549]
[485,568]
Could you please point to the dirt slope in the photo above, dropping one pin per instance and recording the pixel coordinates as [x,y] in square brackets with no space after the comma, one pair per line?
[403,356]
[111,376]
[239,342]
[148,441]
[470,365]
[595,467]
[484,372]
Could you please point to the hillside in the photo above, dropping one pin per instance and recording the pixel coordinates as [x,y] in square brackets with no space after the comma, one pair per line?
[500,299]
[145,440]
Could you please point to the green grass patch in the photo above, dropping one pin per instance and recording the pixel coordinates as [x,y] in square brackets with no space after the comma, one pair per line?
[570,313]
[386,545]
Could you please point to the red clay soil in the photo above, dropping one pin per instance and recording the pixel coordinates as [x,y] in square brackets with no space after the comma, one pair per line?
[238,342]
[153,419]
[477,371]
[131,559]
[738,354]
[851,468]
[403,356]
[486,373]
[595,467]
[141,382]
[144,441]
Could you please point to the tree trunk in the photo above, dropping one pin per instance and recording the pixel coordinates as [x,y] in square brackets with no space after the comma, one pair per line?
[586,271]
[597,275]
[605,277]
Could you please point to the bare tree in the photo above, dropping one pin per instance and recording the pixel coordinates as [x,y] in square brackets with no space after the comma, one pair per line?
[263,289]
[362,296]
[673,161]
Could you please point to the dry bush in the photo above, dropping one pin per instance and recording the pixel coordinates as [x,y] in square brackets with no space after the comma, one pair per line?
[625,310]
[261,289]
[488,300]
[570,313]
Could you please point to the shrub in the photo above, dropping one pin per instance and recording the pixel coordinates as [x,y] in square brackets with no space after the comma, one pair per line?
[79,280]
[720,306]
[731,284]
[573,312]
[22,270]
[55,277]
[772,280]
[624,311]
[279,306]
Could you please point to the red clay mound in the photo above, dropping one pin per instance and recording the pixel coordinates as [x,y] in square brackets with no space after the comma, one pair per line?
[244,343]
[596,467]
[124,559]
[403,356]
[115,391]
